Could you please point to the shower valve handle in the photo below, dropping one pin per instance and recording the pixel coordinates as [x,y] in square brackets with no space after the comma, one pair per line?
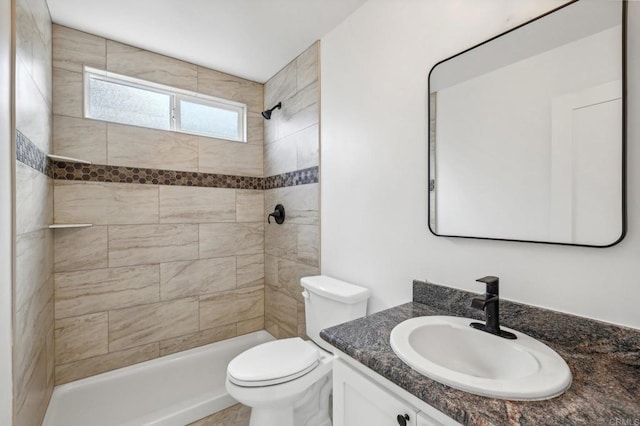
[278,215]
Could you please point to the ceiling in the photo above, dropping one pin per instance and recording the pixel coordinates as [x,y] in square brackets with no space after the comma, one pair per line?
[253,39]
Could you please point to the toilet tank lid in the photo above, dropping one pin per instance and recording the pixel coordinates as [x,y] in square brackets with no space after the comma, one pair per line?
[334,289]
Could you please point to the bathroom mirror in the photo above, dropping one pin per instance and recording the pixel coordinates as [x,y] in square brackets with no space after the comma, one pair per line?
[527,132]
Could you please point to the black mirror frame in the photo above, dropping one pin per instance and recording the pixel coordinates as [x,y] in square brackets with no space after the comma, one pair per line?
[624,134]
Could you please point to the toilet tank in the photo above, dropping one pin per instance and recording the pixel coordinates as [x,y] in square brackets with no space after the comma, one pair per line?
[329,302]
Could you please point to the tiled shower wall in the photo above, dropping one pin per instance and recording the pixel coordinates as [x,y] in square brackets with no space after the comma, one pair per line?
[292,144]
[166,266]
[33,291]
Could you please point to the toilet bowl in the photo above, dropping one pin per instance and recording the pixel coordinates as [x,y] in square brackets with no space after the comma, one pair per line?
[288,382]
[297,397]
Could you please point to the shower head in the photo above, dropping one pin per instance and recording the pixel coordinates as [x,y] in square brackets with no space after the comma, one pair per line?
[267,114]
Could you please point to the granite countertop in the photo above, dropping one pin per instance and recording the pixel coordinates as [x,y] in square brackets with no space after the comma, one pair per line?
[604,360]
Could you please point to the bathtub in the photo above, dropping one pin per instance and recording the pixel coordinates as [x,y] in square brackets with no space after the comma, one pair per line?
[172,390]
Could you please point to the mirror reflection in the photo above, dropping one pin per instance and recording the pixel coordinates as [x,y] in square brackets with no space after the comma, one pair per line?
[526,132]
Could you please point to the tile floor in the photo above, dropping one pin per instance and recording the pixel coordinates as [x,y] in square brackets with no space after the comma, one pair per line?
[236,415]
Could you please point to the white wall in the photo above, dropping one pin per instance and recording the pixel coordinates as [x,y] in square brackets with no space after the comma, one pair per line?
[6,212]
[374,195]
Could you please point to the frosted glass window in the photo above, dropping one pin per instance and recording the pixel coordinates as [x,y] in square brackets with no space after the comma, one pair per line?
[128,100]
[124,104]
[209,120]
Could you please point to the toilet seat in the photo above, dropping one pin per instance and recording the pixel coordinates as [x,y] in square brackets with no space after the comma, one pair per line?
[273,363]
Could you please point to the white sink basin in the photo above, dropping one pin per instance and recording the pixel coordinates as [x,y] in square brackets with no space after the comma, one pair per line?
[449,351]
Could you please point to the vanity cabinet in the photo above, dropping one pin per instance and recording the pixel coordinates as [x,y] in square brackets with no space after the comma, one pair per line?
[424,420]
[358,401]
[359,398]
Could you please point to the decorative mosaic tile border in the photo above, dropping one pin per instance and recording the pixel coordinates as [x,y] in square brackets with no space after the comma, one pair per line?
[29,154]
[299,177]
[63,170]
[119,174]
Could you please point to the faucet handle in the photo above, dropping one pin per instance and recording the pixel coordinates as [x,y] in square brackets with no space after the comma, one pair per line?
[493,284]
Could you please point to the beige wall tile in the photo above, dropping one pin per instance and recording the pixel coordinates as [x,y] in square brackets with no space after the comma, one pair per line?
[297,87]
[302,203]
[99,364]
[147,244]
[249,205]
[281,240]
[155,149]
[307,66]
[294,152]
[302,321]
[83,292]
[81,248]
[31,401]
[249,303]
[250,325]
[271,129]
[26,32]
[81,337]
[139,325]
[34,264]
[80,138]
[299,112]
[103,203]
[197,277]
[32,324]
[270,201]
[303,99]
[308,147]
[255,128]
[32,111]
[281,86]
[204,337]
[34,200]
[134,62]
[230,158]
[218,309]
[221,85]
[67,93]
[42,71]
[271,271]
[225,239]
[250,270]
[33,286]
[280,157]
[51,353]
[301,120]
[270,325]
[302,331]
[230,307]
[309,244]
[289,275]
[42,17]
[72,49]
[283,310]
[184,204]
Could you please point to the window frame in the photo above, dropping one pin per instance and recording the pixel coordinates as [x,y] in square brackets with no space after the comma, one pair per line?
[176,95]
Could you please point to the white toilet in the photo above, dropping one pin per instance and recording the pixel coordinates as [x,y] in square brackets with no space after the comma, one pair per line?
[287,382]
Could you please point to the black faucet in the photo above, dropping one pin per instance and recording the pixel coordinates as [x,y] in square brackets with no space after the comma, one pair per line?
[490,303]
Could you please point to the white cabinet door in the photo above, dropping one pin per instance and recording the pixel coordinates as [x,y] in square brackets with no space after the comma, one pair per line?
[357,401]
[425,420]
